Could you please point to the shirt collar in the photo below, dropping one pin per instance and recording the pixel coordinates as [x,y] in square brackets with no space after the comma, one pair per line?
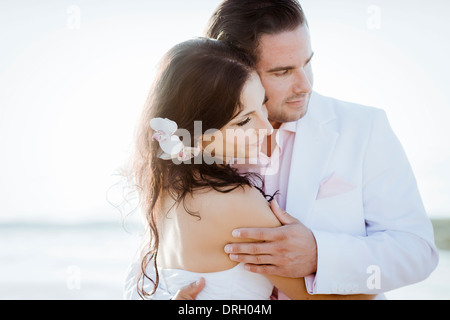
[289,126]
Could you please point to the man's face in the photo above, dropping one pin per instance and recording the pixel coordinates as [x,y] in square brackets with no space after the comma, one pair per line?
[284,66]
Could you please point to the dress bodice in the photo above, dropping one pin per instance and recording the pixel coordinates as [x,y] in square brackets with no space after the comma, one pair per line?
[231,284]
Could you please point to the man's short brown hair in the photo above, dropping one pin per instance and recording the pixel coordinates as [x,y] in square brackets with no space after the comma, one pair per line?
[240,23]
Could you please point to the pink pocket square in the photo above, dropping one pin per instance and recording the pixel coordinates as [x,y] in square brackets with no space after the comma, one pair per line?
[333,186]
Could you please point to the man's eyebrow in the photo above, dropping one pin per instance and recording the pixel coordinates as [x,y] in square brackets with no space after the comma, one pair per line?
[310,58]
[276,69]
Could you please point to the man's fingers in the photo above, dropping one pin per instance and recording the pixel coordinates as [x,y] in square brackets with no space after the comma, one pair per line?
[253,259]
[262,269]
[190,291]
[249,248]
[261,234]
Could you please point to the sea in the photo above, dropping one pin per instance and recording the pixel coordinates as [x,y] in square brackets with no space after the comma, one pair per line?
[89,261]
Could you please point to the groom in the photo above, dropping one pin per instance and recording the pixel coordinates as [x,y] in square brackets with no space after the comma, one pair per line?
[353,220]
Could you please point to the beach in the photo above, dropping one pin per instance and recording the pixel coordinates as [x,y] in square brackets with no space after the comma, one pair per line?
[89,260]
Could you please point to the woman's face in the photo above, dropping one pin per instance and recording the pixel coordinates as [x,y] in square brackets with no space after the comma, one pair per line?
[243,135]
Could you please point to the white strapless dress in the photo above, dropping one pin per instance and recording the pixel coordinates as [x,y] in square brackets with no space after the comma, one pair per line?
[232,284]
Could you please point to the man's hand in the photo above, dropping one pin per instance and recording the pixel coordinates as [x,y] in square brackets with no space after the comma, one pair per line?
[191,291]
[288,251]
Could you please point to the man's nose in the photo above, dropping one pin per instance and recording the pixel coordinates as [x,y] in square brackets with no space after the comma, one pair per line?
[302,82]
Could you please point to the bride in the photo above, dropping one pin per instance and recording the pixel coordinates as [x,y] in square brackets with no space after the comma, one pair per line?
[188,139]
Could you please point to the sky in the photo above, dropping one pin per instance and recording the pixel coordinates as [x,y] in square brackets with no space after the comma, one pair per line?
[74,76]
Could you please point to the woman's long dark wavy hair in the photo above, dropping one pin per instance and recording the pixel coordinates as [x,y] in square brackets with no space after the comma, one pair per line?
[198,80]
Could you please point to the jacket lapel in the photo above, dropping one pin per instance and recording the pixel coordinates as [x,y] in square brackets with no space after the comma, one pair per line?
[313,147]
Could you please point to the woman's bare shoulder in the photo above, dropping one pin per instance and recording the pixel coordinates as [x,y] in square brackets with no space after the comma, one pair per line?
[242,207]
[220,213]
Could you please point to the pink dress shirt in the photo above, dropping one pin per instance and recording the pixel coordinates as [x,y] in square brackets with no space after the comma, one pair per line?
[276,170]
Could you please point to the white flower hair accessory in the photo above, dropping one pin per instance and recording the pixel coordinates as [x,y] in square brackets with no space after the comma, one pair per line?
[171,145]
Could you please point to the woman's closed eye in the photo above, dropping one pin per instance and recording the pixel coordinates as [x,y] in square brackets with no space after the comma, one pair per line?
[244,122]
